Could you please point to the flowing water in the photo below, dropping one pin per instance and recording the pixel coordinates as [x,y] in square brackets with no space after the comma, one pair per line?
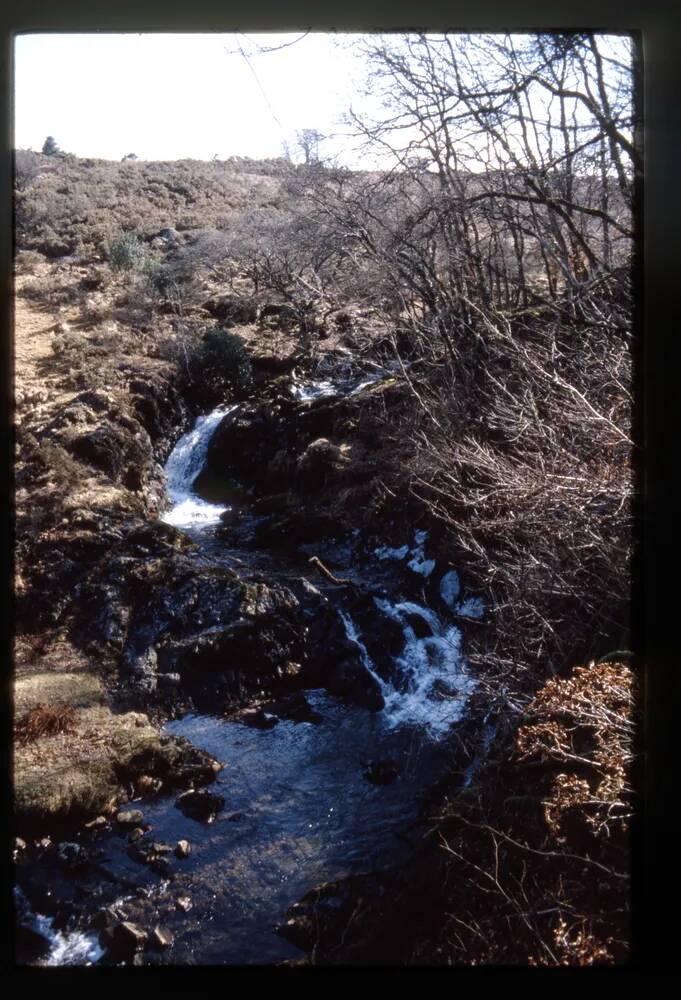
[300,809]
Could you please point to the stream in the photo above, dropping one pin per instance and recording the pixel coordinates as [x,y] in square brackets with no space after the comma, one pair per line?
[300,808]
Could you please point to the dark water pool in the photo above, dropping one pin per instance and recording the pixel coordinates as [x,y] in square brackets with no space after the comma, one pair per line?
[305,814]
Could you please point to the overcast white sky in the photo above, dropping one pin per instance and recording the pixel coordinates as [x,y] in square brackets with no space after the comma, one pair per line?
[174,96]
[165,96]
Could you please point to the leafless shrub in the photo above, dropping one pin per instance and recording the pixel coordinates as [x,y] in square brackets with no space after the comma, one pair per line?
[508,260]
[27,166]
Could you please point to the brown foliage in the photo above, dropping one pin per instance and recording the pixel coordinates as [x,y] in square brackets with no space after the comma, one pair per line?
[44,720]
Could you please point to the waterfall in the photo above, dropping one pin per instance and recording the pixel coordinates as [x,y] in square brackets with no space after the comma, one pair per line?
[183,466]
[66,947]
[433,684]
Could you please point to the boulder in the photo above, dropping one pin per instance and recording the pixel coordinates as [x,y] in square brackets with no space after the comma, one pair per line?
[161,938]
[319,464]
[352,682]
[200,805]
[256,718]
[130,817]
[124,939]
[231,310]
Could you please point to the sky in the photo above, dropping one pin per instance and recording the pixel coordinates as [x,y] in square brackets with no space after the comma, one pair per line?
[172,96]
[176,96]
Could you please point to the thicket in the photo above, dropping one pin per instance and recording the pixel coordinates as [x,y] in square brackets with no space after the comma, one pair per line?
[500,242]
[216,366]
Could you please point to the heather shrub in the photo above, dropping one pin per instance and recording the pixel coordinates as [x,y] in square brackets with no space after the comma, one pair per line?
[220,366]
[126,253]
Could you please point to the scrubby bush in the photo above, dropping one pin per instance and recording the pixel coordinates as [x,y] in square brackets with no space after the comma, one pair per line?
[27,261]
[220,365]
[126,253]
[174,283]
[26,168]
[50,147]
[51,290]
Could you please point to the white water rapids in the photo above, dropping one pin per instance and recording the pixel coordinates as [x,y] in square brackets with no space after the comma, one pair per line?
[432,685]
[183,466]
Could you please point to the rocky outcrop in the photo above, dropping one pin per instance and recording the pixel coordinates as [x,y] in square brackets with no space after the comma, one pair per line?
[232,310]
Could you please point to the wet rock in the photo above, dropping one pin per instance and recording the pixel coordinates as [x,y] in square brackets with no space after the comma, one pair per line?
[321,917]
[256,718]
[71,855]
[183,903]
[130,817]
[161,938]
[183,849]
[146,785]
[381,772]
[98,823]
[29,944]
[234,817]
[168,682]
[160,865]
[124,939]
[200,805]
[352,682]
[294,707]
[161,849]
[231,517]
[135,835]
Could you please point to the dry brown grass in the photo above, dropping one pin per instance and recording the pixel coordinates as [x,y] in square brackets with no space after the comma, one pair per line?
[44,720]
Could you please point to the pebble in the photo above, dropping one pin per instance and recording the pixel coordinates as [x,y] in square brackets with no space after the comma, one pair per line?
[130,817]
[184,903]
[96,823]
[183,849]
[161,848]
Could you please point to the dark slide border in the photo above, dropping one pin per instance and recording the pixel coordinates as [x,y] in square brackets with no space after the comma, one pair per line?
[657,24]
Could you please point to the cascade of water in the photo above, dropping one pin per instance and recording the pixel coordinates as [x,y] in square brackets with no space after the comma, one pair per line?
[433,684]
[354,637]
[183,466]
[66,947]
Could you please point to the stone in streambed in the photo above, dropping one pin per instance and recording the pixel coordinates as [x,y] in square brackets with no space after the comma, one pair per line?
[183,849]
[200,804]
[130,817]
[71,855]
[256,718]
[124,940]
[161,938]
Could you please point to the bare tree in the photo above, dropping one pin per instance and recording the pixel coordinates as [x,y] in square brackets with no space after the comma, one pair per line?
[505,226]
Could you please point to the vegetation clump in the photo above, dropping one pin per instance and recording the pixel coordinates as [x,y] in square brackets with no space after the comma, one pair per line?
[221,365]
[127,253]
[44,720]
